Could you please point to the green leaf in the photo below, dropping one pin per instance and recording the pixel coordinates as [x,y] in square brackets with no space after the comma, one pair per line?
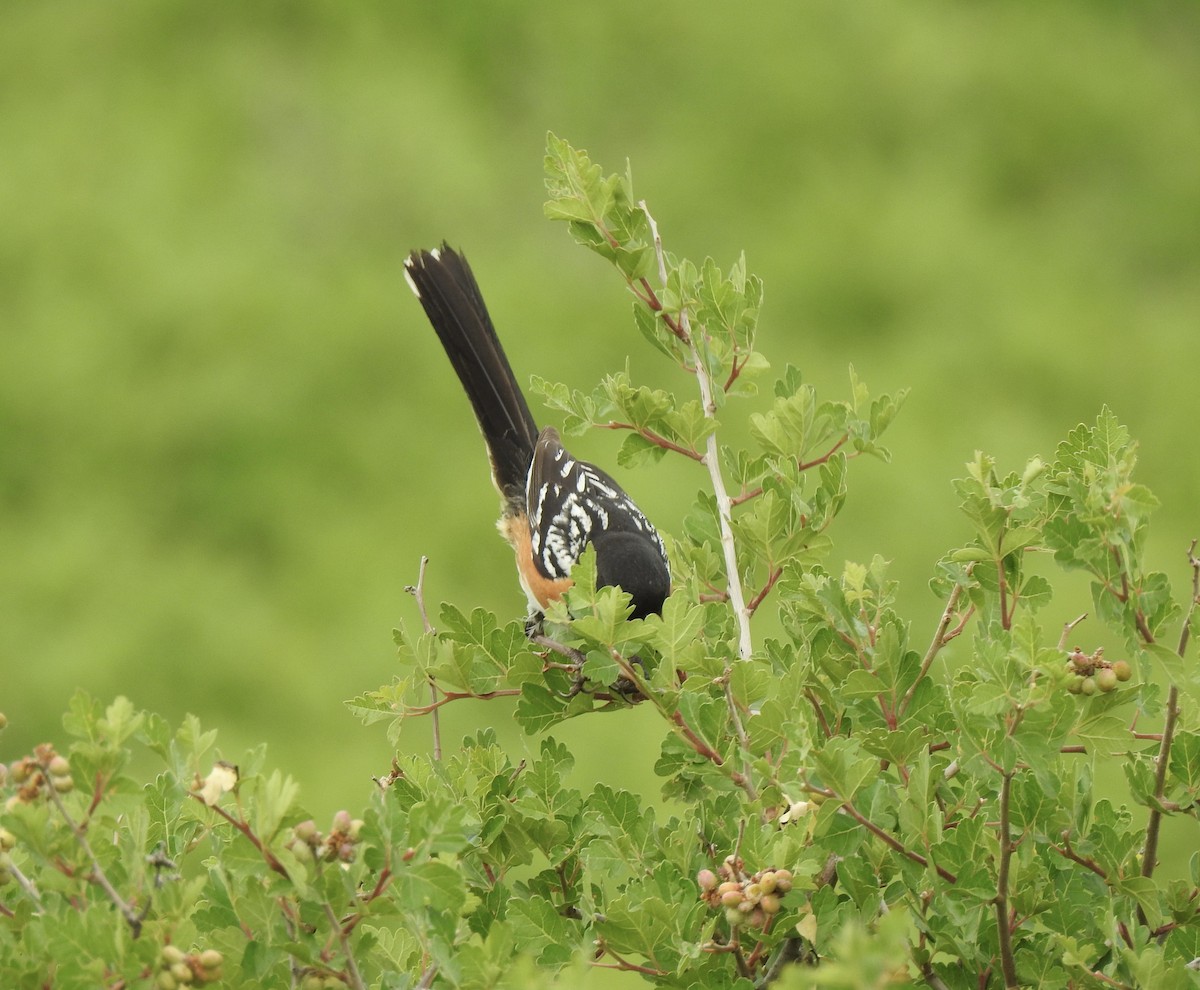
[276,798]
[676,629]
[539,929]
[844,767]
[1185,759]
[431,885]
[538,709]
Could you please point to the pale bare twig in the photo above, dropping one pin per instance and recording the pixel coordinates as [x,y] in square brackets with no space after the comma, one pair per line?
[418,592]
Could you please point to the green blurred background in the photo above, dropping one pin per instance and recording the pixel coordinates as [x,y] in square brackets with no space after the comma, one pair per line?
[227,434]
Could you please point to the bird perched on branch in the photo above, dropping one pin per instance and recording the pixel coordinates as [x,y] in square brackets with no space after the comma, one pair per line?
[553,505]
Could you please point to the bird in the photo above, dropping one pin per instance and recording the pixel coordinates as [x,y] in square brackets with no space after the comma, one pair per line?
[553,505]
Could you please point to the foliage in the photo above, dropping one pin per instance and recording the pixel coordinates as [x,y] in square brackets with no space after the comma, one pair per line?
[845,818]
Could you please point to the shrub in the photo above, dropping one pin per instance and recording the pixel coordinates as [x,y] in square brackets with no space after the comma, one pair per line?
[848,818]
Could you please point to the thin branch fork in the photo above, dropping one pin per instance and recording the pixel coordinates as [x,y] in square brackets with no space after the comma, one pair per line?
[132,917]
[343,936]
[757,600]
[655,438]
[619,962]
[943,635]
[746,496]
[1067,852]
[449,696]
[887,838]
[418,592]
[244,827]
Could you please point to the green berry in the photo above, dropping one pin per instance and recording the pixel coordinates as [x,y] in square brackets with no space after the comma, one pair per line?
[1075,685]
[182,972]
[3,721]
[1088,686]
[307,832]
[783,881]
[731,898]
[770,903]
[64,785]
[1106,679]
[734,916]
[707,880]
[59,766]
[172,954]
[7,840]
[1122,670]
[211,959]
[166,981]
[5,877]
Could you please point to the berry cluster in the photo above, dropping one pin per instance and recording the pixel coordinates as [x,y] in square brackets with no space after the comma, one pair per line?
[307,843]
[748,900]
[1090,672]
[8,842]
[33,774]
[177,968]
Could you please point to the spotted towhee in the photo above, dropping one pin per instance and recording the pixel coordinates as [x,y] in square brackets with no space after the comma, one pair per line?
[553,504]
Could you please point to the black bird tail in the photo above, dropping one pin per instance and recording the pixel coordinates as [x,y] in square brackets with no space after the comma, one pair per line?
[443,282]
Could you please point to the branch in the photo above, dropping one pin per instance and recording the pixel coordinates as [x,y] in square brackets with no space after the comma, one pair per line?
[888,839]
[554,646]
[1086,862]
[602,950]
[934,981]
[1008,964]
[356,980]
[743,739]
[820,712]
[941,637]
[1067,627]
[734,371]
[711,458]
[133,918]
[27,885]
[450,696]
[1154,823]
[757,600]
[248,832]
[418,592]
[655,438]
[800,466]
